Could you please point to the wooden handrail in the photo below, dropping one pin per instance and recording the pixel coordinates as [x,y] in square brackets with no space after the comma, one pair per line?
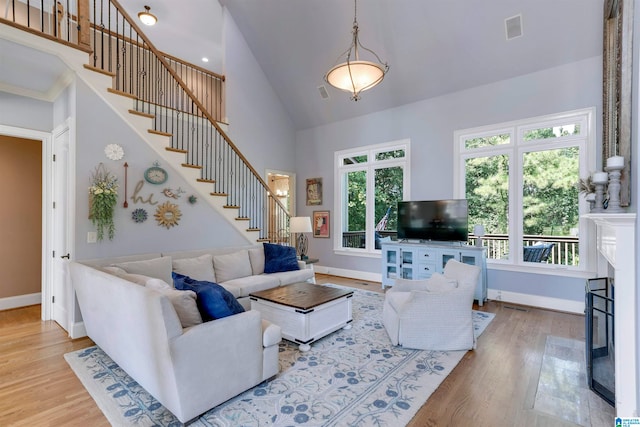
[194,99]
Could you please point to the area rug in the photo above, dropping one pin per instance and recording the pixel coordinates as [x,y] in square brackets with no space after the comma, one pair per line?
[352,377]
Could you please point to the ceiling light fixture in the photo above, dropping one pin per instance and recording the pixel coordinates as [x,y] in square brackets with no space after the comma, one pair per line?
[354,75]
[146,17]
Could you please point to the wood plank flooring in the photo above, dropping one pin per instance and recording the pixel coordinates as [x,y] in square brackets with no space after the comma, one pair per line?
[492,386]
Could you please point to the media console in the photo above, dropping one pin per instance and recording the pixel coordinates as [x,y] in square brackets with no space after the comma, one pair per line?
[416,261]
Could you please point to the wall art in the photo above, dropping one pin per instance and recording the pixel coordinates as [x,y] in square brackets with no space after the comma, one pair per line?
[314,191]
[321,224]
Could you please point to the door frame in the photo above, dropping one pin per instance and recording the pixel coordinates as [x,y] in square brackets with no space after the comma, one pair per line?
[46,141]
[292,185]
[68,187]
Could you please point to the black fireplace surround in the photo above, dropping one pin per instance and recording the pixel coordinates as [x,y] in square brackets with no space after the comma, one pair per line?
[599,321]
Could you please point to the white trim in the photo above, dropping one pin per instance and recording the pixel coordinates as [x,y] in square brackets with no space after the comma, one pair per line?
[20,301]
[351,274]
[371,164]
[515,150]
[537,301]
[77,330]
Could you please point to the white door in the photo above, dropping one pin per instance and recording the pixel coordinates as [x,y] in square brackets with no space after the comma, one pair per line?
[61,295]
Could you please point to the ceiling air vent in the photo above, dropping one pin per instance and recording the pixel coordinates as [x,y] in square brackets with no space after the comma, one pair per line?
[513,27]
[323,92]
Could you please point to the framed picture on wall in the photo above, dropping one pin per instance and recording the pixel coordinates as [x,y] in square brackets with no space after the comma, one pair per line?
[314,191]
[321,224]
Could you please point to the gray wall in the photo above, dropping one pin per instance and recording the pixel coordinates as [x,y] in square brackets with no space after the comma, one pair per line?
[25,113]
[430,125]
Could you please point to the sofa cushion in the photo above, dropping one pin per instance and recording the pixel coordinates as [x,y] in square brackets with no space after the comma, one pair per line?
[214,301]
[256,256]
[289,277]
[279,258]
[199,268]
[232,266]
[247,285]
[160,268]
[439,283]
[184,302]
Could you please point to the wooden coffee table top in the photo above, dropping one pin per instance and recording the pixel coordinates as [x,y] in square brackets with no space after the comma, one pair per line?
[301,295]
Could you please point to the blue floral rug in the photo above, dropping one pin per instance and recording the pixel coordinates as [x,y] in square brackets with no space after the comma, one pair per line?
[352,377]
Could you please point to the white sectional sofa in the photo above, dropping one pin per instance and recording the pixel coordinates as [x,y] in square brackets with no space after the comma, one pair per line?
[153,332]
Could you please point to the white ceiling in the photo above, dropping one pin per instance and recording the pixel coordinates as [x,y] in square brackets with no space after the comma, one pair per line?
[433,47]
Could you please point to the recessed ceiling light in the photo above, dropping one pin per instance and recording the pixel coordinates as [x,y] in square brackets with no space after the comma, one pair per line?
[205,59]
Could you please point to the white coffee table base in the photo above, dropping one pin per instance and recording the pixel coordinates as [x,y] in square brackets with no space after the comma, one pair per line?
[306,326]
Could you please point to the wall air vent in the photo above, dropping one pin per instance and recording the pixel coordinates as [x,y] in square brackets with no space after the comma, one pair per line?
[513,27]
[323,92]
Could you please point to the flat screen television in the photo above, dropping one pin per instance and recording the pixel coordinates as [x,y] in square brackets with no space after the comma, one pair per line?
[439,220]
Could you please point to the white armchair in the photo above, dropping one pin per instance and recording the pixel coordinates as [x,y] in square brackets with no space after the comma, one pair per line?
[433,314]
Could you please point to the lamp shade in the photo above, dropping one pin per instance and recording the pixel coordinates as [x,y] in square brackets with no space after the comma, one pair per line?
[478,230]
[355,76]
[300,224]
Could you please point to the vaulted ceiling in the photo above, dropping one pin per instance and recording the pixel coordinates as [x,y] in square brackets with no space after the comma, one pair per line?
[433,47]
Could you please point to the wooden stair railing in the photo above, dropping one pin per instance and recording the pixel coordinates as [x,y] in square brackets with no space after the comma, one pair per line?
[152,79]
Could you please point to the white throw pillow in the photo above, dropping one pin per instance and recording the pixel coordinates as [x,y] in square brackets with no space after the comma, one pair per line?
[160,268]
[232,266]
[200,268]
[256,256]
[438,283]
[184,302]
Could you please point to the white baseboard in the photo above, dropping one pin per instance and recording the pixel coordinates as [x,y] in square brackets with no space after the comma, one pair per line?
[549,303]
[77,330]
[539,301]
[20,301]
[351,274]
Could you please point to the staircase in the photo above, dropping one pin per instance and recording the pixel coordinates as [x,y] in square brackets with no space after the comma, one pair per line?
[145,89]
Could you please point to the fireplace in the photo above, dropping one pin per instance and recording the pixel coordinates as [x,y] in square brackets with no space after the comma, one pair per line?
[600,338]
[616,258]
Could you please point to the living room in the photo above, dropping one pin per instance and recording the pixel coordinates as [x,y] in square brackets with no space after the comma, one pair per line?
[309,152]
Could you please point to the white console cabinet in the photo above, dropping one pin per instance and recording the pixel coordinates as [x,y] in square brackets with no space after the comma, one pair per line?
[415,261]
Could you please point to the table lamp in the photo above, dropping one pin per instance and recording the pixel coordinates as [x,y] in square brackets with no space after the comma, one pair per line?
[301,225]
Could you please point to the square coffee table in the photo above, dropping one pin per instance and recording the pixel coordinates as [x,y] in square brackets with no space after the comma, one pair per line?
[305,312]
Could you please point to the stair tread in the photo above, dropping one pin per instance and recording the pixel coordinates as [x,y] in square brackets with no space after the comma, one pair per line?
[219,194]
[208,181]
[189,165]
[99,70]
[121,93]
[158,132]
[142,114]
[176,150]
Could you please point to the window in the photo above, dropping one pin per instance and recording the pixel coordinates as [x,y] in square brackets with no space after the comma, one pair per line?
[370,181]
[520,180]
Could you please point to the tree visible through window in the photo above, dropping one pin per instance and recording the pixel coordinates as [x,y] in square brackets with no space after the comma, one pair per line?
[370,183]
[521,184]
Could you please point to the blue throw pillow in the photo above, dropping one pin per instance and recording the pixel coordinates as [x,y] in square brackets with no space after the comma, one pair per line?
[278,258]
[214,301]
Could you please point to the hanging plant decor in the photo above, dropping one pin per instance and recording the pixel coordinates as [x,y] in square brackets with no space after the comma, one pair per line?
[103,197]
[168,215]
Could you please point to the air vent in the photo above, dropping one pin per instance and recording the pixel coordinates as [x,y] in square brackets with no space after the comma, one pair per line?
[513,27]
[323,92]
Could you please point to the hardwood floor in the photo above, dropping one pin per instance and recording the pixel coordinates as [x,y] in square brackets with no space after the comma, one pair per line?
[492,386]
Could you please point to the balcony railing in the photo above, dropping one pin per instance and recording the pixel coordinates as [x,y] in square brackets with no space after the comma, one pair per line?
[563,252]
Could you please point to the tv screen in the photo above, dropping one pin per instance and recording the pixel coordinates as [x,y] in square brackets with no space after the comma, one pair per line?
[440,220]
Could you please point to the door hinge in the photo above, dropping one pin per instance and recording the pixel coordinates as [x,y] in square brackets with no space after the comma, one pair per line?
[54,157]
[53,299]
[54,205]
[54,254]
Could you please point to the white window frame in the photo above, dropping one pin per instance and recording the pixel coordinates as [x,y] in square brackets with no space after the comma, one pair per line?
[514,150]
[340,169]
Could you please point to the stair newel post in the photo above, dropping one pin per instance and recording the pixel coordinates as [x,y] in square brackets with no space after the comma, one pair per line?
[84,24]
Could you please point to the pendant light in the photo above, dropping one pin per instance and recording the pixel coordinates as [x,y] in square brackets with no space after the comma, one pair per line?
[146,17]
[355,75]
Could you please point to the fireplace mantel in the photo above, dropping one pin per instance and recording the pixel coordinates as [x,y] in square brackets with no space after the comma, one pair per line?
[616,246]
